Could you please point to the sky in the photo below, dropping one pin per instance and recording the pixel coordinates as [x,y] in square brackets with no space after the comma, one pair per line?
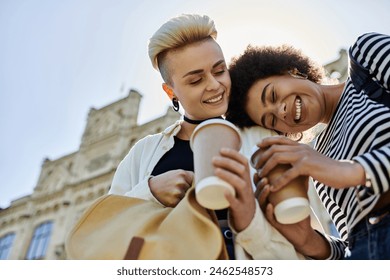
[60,58]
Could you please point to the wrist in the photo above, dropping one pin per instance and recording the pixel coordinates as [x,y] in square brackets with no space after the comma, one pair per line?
[241,221]
[316,247]
[356,173]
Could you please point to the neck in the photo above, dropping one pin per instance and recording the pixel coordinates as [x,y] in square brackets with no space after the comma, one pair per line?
[332,95]
[191,121]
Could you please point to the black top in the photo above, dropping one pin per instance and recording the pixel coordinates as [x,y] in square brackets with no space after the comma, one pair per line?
[181,157]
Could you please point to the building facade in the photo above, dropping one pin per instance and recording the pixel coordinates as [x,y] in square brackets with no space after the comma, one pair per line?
[35,226]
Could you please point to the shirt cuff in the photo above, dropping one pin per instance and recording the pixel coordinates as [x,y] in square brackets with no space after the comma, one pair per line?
[142,191]
[262,241]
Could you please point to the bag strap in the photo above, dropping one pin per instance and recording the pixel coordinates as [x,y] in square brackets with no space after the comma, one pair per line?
[363,81]
[134,248]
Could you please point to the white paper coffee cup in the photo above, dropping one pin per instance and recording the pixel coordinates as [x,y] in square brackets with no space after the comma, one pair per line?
[292,210]
[206,142]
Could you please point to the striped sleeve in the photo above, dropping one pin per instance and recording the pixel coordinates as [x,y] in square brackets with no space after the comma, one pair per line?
[372,51]
[376,164]
[337,247]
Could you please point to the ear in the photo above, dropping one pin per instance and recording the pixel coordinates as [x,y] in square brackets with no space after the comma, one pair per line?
[296,74]
[168,90]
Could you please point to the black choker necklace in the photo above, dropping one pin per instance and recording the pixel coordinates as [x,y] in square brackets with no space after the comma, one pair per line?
[198,121]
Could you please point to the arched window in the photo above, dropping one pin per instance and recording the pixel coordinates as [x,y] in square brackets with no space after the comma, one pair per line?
[6,245]
[39,242]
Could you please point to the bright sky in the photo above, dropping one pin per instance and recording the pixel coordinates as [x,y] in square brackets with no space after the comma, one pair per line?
[60,58]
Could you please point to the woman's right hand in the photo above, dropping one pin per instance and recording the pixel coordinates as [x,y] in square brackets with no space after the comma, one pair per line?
[262,191]
[301,235]
[305,161]
[170,187]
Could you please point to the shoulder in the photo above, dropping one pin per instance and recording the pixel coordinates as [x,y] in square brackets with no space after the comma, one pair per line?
[170,131]
[369,40]
[250,136]
[256,131]
[370,50]
[151,140]
[147,141]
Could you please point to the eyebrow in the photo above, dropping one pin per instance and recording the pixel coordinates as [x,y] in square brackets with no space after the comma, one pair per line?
[263,94]
[262,97]
[201,70]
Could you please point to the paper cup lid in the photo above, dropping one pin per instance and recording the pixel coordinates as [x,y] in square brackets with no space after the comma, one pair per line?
[210,193]
[215,121]
[292,210]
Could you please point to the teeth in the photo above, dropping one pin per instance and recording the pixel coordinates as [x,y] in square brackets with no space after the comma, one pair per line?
[215,99]
[298,109]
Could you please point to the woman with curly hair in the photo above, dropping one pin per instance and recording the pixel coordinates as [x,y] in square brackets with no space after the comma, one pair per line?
[258,63]
[280,88]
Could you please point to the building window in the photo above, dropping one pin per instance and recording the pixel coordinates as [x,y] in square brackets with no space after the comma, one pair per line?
[6,245]
[39,242]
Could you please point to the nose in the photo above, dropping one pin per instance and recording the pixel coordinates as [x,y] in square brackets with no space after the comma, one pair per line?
[212,83]
[281,110]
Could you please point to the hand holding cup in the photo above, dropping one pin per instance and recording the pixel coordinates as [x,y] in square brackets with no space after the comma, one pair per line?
[291,203]
[206,142]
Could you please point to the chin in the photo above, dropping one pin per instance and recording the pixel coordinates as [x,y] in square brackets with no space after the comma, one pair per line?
[222,112]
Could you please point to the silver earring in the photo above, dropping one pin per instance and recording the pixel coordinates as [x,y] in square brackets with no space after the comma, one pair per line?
[296,74]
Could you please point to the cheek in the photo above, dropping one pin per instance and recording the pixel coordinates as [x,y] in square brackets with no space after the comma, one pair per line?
[314,109]
[228,82]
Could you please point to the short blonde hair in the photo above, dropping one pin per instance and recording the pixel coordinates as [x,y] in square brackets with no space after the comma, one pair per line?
[178,32]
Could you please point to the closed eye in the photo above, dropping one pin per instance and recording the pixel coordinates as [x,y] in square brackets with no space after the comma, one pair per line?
[273,122]
[269,121]
[273,95]
[220,72]
[196,82]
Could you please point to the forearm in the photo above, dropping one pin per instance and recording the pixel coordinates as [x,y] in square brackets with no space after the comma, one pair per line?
[315,247]
[344,174]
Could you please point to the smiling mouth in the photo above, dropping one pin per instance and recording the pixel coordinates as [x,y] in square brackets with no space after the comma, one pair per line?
[214,99]
[298,109]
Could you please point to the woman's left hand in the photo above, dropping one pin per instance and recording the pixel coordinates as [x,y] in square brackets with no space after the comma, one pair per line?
[233,167]
[306,161]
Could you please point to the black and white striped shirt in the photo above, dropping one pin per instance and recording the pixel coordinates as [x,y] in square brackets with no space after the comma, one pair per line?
[360,131]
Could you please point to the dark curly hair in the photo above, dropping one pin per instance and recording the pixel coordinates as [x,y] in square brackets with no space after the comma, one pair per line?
[259,63]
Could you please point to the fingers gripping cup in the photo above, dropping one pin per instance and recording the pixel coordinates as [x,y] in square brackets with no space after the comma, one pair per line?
[291,203]
[206,142]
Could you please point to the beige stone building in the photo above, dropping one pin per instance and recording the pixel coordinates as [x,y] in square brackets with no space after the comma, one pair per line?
[338,69]
[35,226]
